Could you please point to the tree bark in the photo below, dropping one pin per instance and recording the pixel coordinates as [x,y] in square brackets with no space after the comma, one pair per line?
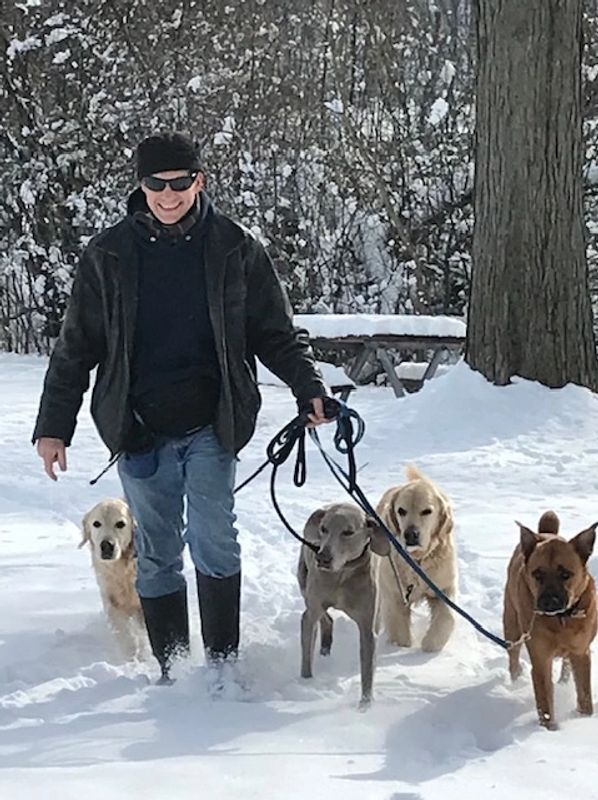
[530,312]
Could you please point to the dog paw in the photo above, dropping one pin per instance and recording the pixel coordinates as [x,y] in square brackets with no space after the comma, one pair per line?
[324,650]
[432,643]
[585,710]
[402,640]
[546,721]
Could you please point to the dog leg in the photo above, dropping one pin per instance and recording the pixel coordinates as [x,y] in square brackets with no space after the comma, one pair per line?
[309,621]
[581,667]
[565,671]
[442,623]
[543,689]
[121,626]
[326,624]
[364,617]
[397,622]
[512,633]
[366,657]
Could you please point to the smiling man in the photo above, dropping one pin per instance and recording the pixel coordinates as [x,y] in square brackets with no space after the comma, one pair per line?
[172,305]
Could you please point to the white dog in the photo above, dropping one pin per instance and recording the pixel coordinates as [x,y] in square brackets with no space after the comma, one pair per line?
[420,515]
[108,528]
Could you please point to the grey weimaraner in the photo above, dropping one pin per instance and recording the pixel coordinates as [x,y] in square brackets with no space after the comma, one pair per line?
[340,575]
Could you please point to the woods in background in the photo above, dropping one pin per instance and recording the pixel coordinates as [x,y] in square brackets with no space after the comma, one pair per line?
[340,131]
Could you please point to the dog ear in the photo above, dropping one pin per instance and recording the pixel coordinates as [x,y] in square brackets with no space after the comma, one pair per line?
[85,531]
[379,541]
[528,540]
[311,531]
[584,542]
[445,522]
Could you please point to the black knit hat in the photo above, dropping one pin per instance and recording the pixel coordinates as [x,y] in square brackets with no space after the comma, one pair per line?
[166,151]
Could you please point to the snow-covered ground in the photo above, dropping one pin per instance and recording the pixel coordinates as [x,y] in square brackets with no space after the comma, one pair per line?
[74,722]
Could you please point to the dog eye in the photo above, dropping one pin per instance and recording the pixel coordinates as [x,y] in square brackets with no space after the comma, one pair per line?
[402,512]
[538,574]
[348,532]
[324,529]
[564,574]
[120,524]
[96,523]
[426,511]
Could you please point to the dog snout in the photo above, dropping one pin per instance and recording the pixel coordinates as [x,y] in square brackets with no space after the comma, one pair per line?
[107,549]
[411,536]
[324,558]
[552,601]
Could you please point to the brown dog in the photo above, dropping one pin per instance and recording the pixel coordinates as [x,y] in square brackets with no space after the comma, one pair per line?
[550,603]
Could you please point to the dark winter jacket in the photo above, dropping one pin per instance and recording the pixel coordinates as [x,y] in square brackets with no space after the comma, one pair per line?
[250,316]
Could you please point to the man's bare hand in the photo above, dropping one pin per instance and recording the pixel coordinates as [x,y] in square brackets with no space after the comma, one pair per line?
[317,416]
[52,451]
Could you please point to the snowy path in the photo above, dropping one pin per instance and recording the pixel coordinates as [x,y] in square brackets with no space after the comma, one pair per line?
[75,722]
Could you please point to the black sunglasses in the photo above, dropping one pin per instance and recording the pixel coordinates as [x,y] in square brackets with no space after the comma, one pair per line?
[176,184]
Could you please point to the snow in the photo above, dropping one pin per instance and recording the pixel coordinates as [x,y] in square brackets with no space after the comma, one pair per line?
[333,375]
[335,105]
[448,72]
[415,370]
[338,325]
[18,46]
[224,136]
[74,722]
[438,111]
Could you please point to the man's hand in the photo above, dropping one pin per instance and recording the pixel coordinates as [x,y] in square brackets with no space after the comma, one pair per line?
[317,416]
[52,451]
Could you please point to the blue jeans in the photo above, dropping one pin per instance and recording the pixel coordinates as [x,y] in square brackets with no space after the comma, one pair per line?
[155,484]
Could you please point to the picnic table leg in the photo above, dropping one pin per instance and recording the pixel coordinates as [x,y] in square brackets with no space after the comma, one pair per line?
[437,359]
[393,378]
[360,362]
[345,392]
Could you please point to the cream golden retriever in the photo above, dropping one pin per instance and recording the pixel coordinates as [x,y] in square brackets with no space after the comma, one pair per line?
[420,515]
[108,528]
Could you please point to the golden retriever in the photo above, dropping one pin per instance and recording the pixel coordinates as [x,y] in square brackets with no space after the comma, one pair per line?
[421,517]
[550,604]
[109,528]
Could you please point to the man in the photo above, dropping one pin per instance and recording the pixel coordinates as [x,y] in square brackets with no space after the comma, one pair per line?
[172,304]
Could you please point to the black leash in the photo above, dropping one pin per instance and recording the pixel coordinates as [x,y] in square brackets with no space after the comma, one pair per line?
[277,452]
[345,440]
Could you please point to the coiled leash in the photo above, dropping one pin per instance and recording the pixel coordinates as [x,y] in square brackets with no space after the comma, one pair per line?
[278,451]
[350,428]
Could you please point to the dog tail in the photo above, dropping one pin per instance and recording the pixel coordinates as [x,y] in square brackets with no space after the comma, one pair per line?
[413,474]
[549,523]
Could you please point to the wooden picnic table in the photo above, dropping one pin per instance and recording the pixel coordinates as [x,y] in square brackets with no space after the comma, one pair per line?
[439,336]
[376,348]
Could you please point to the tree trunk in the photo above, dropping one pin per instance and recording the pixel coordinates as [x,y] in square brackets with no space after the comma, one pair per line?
[530,312]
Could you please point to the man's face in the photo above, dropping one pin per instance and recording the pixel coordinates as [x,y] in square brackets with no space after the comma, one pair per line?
[170,206]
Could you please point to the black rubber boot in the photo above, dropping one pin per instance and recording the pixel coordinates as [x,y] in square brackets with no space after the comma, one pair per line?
[167,623]
[219,601]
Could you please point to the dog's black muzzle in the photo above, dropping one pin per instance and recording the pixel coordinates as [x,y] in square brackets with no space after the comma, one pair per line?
[552,602]
[107,550]
[412,536]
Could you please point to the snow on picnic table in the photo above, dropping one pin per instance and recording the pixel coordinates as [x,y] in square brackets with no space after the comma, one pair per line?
[338,325]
